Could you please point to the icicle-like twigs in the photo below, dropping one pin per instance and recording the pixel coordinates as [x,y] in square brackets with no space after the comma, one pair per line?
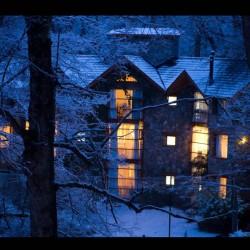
[75,150]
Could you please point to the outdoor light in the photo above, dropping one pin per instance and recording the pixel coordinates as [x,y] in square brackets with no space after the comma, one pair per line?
[170,180]
[243,140]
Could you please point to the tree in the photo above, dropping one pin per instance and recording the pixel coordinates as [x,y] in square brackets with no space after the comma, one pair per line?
[38,153]
[246,36]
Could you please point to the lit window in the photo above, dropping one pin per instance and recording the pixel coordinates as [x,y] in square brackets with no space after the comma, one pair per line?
[3,139]
[222,146]
[123,101]
[172,99]
[127,78]
[243,140]
[27,125]
[200,104]
[169,140]
[126,178]
[223,188]
[126,142]
[170,180]
[199,142]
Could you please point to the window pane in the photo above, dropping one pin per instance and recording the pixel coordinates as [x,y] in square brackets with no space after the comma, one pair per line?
[222,146]
[200,105]
[171,140]
[172,99]
[4,143]
[199,142]
[126,178]
[223,188]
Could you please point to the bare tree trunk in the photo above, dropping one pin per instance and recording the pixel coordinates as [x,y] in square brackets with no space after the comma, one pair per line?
[38,153]
[246,36]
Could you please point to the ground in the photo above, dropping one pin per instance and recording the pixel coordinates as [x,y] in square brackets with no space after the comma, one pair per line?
[151,223]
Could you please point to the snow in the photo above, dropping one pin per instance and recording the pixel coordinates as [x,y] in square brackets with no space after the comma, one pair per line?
[152,223]
[240,234]
[147,31]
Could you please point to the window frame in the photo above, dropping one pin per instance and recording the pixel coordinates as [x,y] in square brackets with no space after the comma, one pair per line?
[216,146]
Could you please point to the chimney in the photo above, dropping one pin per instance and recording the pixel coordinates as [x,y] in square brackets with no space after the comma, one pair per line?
[156,45]
[211,67]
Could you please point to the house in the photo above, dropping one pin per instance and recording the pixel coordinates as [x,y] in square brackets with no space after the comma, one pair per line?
[193,136]
[184,138]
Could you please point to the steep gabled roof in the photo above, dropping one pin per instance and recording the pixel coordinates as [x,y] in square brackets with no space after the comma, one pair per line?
[146,68]
[84,69]
[229,75]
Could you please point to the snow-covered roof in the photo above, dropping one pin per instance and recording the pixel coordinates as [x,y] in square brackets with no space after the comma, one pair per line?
[146,31]
[84,69]
[230,75]
[146,68]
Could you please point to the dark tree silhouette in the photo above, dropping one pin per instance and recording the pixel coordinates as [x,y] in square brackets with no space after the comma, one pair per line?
[38,154]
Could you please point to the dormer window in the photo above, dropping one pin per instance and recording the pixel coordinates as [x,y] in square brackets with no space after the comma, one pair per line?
[172,99]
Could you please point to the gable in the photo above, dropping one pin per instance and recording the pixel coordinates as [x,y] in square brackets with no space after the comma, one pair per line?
[230,75]
[86,70]
[183,80]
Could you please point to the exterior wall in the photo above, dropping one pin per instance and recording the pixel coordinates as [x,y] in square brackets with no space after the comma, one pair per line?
[160,160]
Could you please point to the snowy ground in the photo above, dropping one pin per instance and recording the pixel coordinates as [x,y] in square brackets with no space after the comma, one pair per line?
[151,223]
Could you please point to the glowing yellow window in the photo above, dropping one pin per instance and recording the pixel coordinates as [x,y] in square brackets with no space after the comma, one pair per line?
[126,142]
[4,143]
[223,188]
[172,99]
[127,78]
[27,125]
[222,146]
[123,99]
[199,142]
[243,140]
[126,178]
